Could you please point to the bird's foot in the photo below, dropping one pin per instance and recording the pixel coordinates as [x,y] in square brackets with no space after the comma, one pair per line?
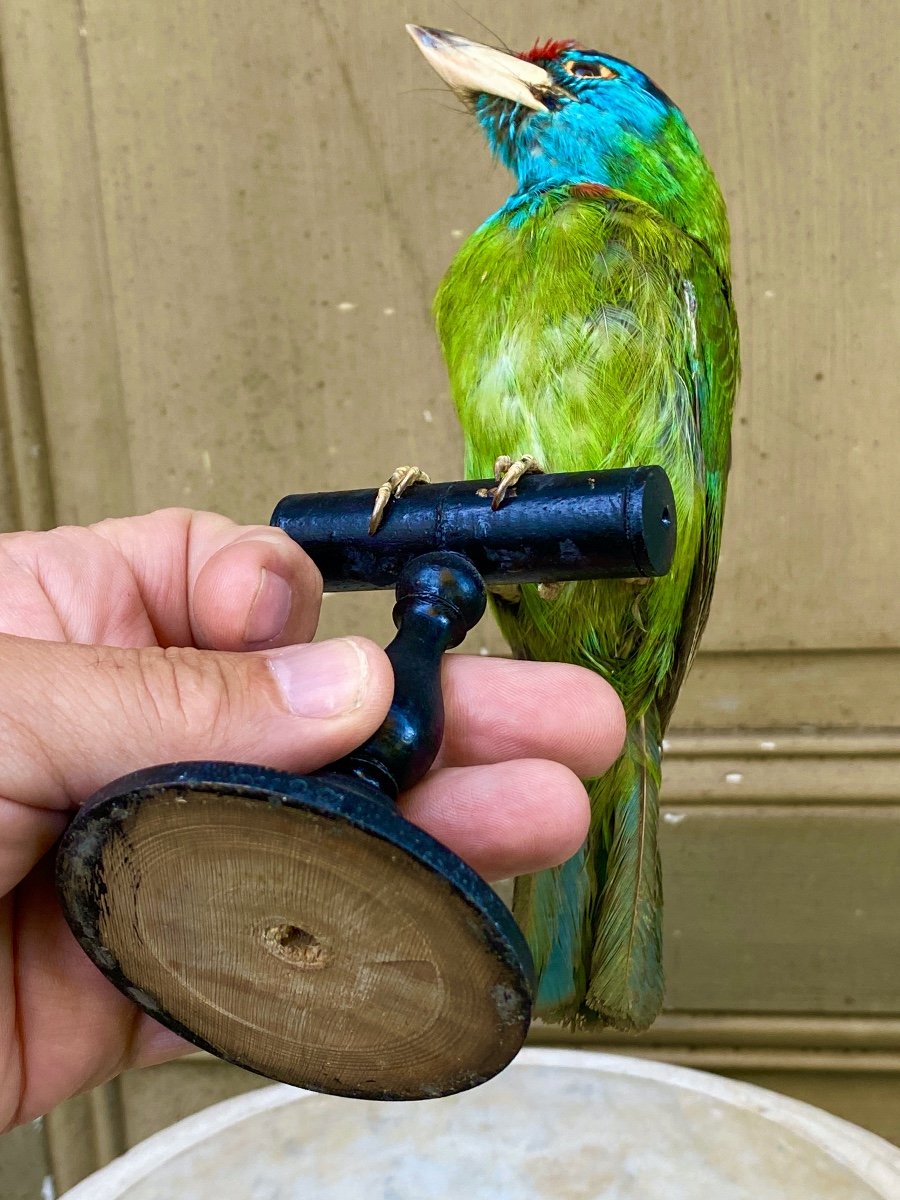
[399,481]
[550,591]
[508,472]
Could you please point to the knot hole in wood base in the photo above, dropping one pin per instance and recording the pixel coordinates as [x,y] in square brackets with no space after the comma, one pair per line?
[296,946]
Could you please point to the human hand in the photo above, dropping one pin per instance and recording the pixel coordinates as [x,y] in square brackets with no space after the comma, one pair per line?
[180,635]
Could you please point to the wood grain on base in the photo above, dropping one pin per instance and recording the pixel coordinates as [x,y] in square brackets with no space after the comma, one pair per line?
[300,946]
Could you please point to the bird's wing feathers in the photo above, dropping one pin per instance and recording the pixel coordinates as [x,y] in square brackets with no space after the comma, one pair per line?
[713,361]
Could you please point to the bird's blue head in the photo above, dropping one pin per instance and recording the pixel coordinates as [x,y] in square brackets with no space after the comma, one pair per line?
[560,113]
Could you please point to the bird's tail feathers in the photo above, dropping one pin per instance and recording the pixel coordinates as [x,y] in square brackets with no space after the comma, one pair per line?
[594,923]
[550,907]
[625,981]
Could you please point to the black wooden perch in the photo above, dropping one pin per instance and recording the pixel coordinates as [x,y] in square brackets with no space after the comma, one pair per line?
[586,525]
[299,926]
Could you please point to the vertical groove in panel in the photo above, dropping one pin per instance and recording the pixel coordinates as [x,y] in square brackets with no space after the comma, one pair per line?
[109,1122]
[27,491]
[50,116]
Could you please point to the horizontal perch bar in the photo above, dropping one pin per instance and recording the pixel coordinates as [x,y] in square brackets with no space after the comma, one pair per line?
[585,525]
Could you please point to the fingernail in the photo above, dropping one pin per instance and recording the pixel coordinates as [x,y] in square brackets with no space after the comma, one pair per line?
[325,679]
[270,609]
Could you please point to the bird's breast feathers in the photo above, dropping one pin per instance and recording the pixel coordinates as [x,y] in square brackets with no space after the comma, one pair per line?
[567,325]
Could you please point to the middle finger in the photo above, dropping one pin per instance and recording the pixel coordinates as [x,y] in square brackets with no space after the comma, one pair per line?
[501,709]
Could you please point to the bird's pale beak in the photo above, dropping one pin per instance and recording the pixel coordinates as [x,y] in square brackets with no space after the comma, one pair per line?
[469,67]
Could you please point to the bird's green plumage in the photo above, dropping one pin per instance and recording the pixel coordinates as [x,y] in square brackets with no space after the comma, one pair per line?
[592,327]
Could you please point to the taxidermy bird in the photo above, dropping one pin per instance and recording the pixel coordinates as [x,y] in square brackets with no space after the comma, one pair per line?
[588,324]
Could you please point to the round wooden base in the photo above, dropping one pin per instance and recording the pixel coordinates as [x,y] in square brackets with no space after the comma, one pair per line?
[299,927]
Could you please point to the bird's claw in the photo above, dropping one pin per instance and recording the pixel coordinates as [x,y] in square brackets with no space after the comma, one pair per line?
[399,481]
[550,591]
[508,472]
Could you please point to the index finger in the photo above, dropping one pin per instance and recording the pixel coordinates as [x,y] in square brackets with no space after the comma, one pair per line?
[208,582]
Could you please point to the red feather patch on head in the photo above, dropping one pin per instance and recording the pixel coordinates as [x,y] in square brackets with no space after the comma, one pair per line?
[589,191]
[549,50]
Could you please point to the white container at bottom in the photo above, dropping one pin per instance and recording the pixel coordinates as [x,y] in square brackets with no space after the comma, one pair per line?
[555,1125]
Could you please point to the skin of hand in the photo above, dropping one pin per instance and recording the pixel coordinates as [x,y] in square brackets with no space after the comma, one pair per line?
[182,635]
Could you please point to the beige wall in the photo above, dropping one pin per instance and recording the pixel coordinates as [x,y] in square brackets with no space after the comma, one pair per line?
[220,228]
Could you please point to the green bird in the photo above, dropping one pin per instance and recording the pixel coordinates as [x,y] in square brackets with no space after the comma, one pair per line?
[588,324]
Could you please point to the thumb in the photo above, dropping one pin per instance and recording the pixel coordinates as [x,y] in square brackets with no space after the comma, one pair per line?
[72,718]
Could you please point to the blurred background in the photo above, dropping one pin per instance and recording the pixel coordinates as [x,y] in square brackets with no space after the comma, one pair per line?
[221,226]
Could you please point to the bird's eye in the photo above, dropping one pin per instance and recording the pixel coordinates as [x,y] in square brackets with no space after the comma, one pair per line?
[590,70]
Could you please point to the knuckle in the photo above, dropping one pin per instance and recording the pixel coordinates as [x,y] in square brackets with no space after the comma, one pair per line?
[189,695]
